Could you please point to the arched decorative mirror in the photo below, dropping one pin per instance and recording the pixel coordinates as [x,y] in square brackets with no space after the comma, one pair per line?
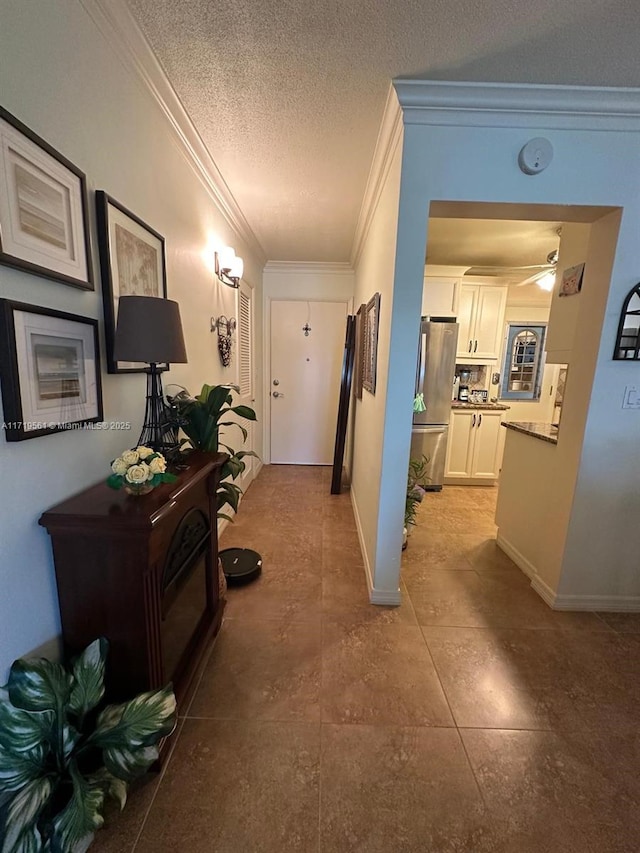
[523,362]
[628,340]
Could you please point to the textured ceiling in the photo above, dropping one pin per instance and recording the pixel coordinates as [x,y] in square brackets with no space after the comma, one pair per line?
[288,94]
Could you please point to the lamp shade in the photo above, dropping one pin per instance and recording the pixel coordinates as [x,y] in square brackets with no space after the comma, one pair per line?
[149,329]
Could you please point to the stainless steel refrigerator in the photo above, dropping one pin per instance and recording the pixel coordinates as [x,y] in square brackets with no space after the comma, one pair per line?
[434,380]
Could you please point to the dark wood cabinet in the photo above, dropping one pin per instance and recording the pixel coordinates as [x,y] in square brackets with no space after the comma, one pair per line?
[142,572]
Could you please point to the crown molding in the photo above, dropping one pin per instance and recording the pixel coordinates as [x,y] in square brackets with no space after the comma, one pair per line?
[388,139]
[114,20]
[444,271]
[314,267]
[518,105]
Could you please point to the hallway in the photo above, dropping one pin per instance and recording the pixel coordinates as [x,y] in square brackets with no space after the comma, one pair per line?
[472,719]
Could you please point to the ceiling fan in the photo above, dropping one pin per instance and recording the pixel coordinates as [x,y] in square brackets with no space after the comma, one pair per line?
[544,276]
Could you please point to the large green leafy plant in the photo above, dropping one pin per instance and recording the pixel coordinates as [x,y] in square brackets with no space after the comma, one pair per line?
[415,492]
[60,757]
[201,419]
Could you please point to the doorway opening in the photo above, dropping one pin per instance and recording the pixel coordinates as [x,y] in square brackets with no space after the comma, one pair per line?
[488,268]
[306,347]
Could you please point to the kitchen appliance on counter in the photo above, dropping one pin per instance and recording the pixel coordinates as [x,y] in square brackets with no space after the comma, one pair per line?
[463,388]
[434,380]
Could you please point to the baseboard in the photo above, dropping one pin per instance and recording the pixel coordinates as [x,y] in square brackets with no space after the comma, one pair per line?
[611,603]
[223,523]
[385,597]
[545,592]
[543,589]
[469,481]
[519,559]
[365,558]
[376,596]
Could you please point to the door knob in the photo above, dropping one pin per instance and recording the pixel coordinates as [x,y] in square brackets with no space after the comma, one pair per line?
[278,394]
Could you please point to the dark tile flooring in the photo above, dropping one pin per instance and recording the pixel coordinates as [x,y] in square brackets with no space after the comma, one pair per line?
[472,719]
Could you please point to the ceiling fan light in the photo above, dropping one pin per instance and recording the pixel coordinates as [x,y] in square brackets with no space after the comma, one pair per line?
[547,281]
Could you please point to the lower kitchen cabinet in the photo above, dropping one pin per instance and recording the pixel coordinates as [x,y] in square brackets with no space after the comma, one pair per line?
[474,447]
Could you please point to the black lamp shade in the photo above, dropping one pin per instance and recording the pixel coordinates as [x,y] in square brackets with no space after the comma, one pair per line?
[149,330]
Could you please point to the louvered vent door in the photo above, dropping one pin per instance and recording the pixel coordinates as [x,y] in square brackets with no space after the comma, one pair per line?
[245,372]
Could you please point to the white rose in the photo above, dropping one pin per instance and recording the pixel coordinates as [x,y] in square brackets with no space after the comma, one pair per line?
[119,466]
[158,465]
[143,452]
[138,474]
[130,457]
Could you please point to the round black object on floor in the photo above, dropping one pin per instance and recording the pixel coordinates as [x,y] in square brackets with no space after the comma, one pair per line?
[240,565]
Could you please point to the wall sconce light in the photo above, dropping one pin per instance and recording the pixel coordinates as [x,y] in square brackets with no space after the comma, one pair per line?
[229,267]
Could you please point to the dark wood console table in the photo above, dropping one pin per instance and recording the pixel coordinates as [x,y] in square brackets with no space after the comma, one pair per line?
[142,572]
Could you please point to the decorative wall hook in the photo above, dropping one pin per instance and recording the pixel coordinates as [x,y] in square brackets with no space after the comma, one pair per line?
[306,329]
[225,328]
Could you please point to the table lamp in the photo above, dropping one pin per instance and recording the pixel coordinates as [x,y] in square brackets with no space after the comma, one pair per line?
[148,329]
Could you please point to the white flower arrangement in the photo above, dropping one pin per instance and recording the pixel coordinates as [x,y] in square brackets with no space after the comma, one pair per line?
[140,468]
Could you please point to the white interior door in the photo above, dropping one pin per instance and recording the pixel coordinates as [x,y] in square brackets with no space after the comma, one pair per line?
[307,346]
[245,379]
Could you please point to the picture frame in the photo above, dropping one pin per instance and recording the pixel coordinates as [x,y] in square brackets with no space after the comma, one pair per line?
[359,353]
[571,283]
[370,357]
[49,369]
[132,263]
[44,220]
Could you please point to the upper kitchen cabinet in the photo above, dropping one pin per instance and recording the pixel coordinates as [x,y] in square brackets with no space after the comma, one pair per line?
[481,319]
[440,297]
[441,289]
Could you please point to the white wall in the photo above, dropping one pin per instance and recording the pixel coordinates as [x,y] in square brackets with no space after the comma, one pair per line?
[64,81]
[564,311]
[551,471]
[380,519]
[314,281]
[471,155]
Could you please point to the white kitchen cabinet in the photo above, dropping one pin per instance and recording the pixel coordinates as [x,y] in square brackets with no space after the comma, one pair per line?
[474,446]
[439,296]
[481,319]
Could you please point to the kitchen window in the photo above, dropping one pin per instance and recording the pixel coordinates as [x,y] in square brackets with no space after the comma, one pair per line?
[523,362]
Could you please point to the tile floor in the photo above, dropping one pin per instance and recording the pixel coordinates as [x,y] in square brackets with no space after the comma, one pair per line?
[472,719]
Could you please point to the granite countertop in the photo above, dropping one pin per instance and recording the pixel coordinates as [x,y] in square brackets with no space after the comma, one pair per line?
[545,432]
[457,404]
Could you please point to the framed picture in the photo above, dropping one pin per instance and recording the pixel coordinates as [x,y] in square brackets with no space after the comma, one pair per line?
[43,208]
[132,262]
[572,280]
[50,370]
[370,357]
[359,354]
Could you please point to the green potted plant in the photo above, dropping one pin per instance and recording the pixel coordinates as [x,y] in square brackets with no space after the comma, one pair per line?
[60,756]
[201,419]
[415,493]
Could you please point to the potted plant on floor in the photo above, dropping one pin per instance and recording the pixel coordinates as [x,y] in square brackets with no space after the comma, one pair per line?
[201,419]
[415,493]
[60,757]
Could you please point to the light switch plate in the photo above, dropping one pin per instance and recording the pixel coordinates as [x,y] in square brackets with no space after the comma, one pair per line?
[631,399]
